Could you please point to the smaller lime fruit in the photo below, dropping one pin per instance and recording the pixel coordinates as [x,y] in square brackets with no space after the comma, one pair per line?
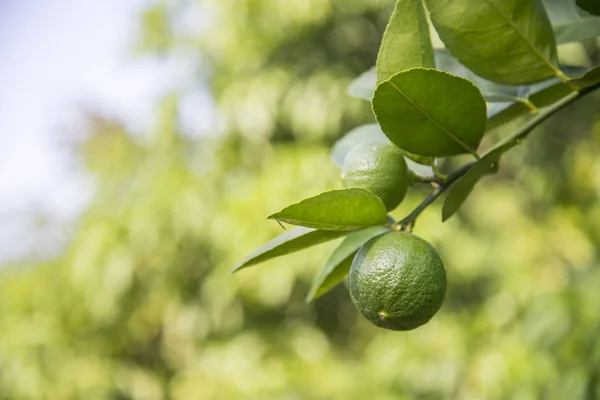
[397,281]
[380,168]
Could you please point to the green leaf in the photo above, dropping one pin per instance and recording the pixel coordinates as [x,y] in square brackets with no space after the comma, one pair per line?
[460,191]
[570,24]
[591,78]
[364,86]
[430,112]
[591,6]
[504,41]
[406,43]
[291,241]
[491,92]
[336,210]
[370,133]
[338,264]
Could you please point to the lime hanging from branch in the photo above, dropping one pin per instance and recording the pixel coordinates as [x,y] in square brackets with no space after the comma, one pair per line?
[397,281]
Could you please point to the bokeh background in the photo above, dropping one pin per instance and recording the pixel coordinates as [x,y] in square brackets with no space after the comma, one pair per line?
[142,145]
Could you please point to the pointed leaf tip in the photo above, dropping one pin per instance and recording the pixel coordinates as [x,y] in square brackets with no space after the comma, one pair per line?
[406,43]
[288,242]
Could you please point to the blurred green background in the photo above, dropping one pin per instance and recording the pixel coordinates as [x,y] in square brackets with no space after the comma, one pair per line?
[141,306]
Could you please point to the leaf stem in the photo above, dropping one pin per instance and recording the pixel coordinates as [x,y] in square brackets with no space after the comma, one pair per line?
[409,221]
[532,107]
[550,111]
[428,179]
[443,178]
[561,75]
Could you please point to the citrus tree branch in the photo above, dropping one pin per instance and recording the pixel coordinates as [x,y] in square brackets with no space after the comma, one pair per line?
[409,221]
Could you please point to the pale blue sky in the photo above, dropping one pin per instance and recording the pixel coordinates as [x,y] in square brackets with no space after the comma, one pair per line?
[57,57]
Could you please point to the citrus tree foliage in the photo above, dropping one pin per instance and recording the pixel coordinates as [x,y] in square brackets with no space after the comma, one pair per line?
[140,305]
[494,52]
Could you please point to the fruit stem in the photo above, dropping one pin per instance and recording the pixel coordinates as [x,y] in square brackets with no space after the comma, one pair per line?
[428,179]
[441,177]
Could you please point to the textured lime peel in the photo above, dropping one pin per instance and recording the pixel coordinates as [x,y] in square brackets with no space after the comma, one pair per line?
[397,281]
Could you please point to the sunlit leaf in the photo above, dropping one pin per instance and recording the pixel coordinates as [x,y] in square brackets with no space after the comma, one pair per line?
[293,240]
[336,210]
[505,41]
[406,43]
[430,112]
[338,264]
[461,190]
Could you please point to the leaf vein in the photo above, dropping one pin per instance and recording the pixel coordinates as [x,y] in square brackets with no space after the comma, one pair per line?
[433,121]
[524,38]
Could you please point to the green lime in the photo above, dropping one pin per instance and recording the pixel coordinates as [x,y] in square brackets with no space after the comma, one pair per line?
[380,168]
[397,281]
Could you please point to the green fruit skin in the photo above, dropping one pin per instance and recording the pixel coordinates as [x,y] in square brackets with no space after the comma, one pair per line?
[397,281]
[379,168]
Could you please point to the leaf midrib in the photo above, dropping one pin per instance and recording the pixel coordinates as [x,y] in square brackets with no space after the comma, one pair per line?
[386,61]
[418,5]
[433,121]
[524,38]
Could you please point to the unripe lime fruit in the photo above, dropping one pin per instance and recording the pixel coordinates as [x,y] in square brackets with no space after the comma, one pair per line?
[380,168]
[397,281]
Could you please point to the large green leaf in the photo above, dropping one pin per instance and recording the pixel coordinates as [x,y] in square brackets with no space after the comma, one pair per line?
[591,78]
[364,86]
[288,242]
[460,191]
[591,6]
[430,112]
[569,23]
[505,41]
[336,210]
[338,264]
[406,42]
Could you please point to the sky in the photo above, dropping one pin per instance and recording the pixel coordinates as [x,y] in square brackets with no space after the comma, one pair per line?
[57,57]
